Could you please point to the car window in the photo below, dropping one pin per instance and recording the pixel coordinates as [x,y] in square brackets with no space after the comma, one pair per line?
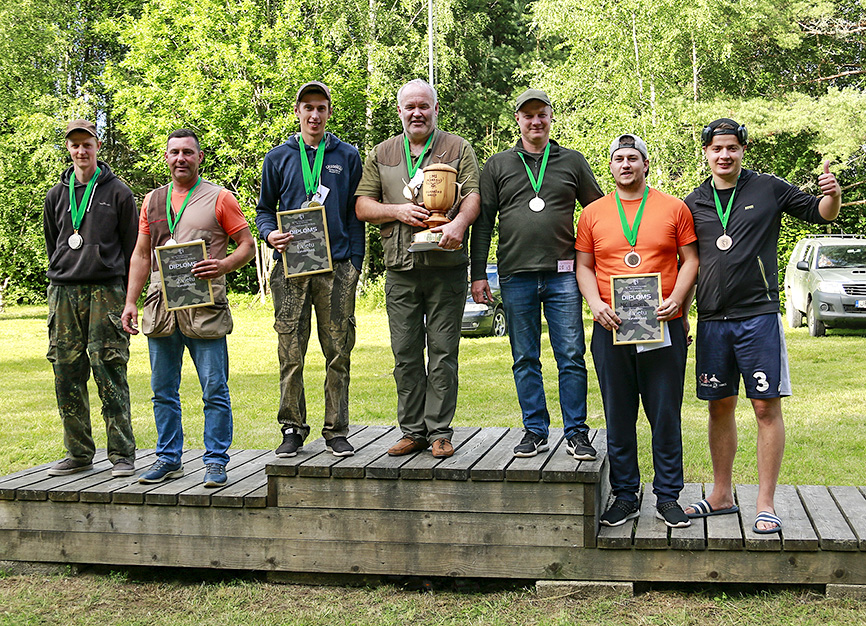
[842,256]
[493,280]
[807,254]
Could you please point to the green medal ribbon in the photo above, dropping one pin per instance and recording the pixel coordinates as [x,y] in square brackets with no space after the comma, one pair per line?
[630,232]
[413,167]
[172,223]
[723,216]
[536,184]
[77,210]
[313,177]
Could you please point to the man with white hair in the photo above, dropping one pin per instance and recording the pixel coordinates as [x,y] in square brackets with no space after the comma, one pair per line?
[425,291]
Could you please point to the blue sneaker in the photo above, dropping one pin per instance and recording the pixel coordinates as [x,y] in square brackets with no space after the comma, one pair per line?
[215,475]
[161,470]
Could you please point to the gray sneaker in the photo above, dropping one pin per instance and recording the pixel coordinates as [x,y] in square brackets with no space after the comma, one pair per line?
[123,468]
[69,466]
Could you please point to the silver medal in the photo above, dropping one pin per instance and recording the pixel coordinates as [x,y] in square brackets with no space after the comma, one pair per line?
[171,242]
[724,242]
[632,259]
[75,241]
[536,204]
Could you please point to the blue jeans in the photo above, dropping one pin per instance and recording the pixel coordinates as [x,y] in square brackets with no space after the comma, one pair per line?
[211,359]
[523,295]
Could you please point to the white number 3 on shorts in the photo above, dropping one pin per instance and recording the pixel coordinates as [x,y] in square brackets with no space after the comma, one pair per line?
[762,385]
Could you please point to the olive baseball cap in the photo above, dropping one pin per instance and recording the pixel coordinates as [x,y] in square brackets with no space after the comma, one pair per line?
[532,94]
[82,125]
[313,86]
[629,141]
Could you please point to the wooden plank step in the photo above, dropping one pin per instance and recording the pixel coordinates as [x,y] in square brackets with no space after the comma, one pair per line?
[853,505]
[385,467]
[650,532]
[491,467]
[32,480]
[724,532]
[289,466]
[747,496]
[528,469]
[242,464]
[691,537]
[423,466]
[319,465]
[243,482]
[565,469]
[355,466]
[458,466]
[134,493]
[101,470]
[615,537]
[25,472]
[257,499]
[797,532]
[166,492]
[830,525]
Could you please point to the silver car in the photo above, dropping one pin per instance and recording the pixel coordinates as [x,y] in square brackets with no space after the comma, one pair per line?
[487,318]
[825,282]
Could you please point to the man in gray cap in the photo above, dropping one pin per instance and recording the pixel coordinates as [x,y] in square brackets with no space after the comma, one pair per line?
[314,166]
[638,230]
[90,224]
[533,189]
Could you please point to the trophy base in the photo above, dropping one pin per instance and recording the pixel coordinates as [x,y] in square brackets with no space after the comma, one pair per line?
[425,241]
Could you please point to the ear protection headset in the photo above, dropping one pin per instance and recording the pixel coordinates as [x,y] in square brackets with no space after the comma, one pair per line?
[711,130]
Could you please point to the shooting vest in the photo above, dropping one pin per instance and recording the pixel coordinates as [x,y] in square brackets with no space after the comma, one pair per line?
[197,222]
[393,171]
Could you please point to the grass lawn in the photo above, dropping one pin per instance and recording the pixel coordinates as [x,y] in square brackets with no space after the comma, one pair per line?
[826,439]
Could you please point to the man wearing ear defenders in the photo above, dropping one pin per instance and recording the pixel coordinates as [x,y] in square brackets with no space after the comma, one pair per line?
[737,214]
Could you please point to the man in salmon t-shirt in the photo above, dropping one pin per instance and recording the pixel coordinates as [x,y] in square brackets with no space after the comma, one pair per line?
[187,209]
[639,230]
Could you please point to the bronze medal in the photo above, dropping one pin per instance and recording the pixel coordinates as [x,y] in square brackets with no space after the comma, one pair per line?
[632,259]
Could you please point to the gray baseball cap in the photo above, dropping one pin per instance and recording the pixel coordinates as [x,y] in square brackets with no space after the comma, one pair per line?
[629,141]
[532,94]
[313,86]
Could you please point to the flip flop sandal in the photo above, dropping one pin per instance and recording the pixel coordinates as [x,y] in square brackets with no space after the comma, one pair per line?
[703,509]
[768,518]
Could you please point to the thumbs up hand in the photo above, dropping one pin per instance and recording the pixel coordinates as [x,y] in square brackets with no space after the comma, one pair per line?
[827,182]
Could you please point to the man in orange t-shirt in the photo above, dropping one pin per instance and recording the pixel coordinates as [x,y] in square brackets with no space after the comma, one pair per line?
[639,230]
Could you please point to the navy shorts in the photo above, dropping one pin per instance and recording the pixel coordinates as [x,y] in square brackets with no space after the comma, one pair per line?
[753,348]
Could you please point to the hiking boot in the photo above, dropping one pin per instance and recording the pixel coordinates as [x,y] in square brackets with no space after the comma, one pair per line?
[620,512]
[69,466]
[580,448]
[215,475]
[340,446]
[123,468]
[530,445]
[672,514]
[161,470]
[292,442]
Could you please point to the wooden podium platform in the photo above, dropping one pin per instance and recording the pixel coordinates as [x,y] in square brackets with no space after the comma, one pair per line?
[480,513]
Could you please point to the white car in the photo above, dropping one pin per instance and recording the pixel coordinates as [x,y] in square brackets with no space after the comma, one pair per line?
[825,282]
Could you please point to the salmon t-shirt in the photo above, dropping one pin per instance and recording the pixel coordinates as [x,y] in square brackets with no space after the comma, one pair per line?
[665,226]
[228,212]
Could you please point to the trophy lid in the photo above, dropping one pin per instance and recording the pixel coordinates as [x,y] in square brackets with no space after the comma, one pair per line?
[440,167]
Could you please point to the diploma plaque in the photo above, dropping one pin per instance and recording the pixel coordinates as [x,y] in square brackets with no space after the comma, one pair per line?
[310,250]
[635,299]
[181,289]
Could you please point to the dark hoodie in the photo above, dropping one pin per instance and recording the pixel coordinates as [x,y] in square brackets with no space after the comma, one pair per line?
[283,190]
[109,230]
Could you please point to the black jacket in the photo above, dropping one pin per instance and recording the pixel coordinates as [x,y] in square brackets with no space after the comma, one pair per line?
[744,280]
[109,229]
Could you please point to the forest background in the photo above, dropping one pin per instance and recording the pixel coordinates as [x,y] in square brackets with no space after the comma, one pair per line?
[792,71]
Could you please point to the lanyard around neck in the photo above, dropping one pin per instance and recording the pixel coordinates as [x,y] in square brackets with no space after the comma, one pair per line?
[413,167]
[77,210]
[630,232]
[313,177]
[536,184]
[172,223]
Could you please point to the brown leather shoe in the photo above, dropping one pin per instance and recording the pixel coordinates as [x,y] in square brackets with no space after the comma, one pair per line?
[406,445]
[442,448]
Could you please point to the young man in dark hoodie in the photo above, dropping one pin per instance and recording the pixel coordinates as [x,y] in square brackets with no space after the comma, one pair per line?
[314,166]
[90,229]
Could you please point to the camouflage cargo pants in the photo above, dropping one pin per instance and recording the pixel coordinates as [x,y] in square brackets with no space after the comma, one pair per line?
[85,334]
[333,296]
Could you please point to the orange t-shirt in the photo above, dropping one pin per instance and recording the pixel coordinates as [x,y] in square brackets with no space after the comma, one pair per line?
[665,226]
[228,212]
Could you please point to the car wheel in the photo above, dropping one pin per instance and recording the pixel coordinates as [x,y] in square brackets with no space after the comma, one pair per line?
[794,317]
[500,327]
[816,326]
